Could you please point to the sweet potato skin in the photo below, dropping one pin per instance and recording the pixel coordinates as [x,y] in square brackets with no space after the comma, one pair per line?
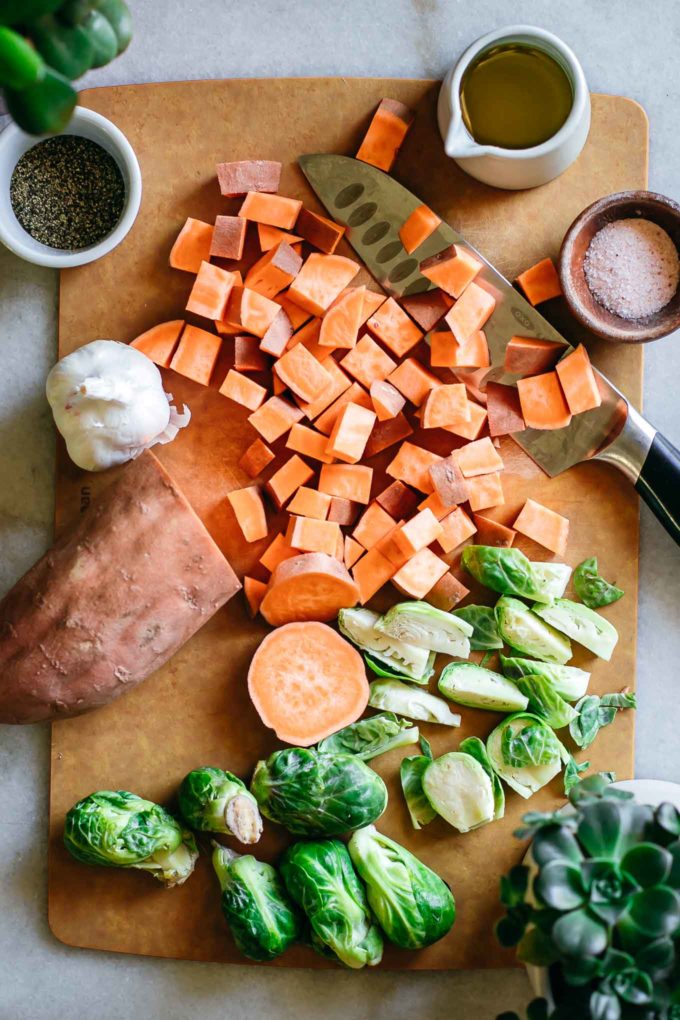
[111,601]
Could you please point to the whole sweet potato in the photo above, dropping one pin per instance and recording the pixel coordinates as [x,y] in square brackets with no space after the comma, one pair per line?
[111,601]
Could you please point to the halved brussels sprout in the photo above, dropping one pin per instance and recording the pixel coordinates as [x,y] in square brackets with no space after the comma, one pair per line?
[552,579]
[545,702]
[262,919]
[412,702]
[117,829]
[212,800]
[405,659]
[477,687]
[411,774]
[320,878]
[393,673]
[524,752]
[581,624]
[419,623]
[413,905]
[459,790]
[370,737]
[567,681]
[523,630]
[475,747]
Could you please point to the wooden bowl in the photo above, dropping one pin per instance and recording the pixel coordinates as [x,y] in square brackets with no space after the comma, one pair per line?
[624,205]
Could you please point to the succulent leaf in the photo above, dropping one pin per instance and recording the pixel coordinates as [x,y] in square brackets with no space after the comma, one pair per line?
[559,885]
[554,843]
[647,864]
[656,911]
[579,933]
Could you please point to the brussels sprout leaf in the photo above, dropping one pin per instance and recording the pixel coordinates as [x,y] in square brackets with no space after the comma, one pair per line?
[371,737]
[591,588]
[534,744]
[594,712]
[485,634]
[411,775]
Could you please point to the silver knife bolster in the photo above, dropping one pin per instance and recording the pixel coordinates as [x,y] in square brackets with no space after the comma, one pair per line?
[628,452]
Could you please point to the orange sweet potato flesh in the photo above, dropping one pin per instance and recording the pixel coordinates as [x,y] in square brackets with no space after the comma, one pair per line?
[528,355]
[243,390]
[412,466]
[277,335]
[456,529]
[413,380]
[310,503]
[274,418]
[540,282]
[542,402]
[319,231]
[578,381]
[452,269]
[479,458]
[349,481]
[375,523]
[392,326]
[350,434]
[354,393]
[196,354]
[447,593]
[340,325]
[387,400]
[249,512]
[274,271]
[210,292]
[387,433]
[248,356]
[371,572]
[256,458]
[445,405]
[490,532]
[386,134]
[67,648]
[470,312]
[352,551]
[313,535]
[338,385]
[269,237]
[276,552]
[240,177]
[417,227]
[309,443]
[288,479]
[428,308]
[420,574]
[307,682]
[273,210]
[544,526]
[504,410]
[254,592]
[367,362]
[229,237]
[302,373]
[159,342]
[485,491]
[250,311]
[192,246]
[398,500]
[312,586]
[321,280]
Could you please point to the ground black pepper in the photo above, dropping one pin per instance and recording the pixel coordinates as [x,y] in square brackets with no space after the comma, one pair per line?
[67,192]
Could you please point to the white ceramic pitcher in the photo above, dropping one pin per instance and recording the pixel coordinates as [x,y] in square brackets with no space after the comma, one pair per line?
[515,168]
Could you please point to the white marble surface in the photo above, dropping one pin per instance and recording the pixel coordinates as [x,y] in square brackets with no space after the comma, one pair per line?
[627,48]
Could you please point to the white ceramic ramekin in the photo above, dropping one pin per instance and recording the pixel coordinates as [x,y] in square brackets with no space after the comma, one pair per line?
[513,169]
[88,124]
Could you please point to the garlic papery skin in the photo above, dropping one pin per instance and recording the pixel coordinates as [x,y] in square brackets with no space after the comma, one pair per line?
[108,403]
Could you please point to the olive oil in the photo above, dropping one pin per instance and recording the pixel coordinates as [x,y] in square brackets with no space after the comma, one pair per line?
[515,96]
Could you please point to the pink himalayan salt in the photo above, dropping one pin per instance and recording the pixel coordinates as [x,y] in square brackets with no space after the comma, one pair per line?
[632,268]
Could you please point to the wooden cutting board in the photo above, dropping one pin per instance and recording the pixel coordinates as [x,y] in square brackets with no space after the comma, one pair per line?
[196,711]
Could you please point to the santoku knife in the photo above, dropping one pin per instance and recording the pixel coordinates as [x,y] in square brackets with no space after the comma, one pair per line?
[373,206]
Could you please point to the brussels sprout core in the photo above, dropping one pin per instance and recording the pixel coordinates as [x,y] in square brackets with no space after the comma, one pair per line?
[212,800]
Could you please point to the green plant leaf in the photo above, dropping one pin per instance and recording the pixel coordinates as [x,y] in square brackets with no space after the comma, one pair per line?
[580,970]
[572,773]
[482,619]
[656,911]
[537,947]
[615,960]
[510,929]
[579,933]
[591,588]
[604,1007]
[674,877]
[667,817]
[657,958]
[534,821]
[537,1010]
[633,985]
[609,889]
[559,885]
[647,864]
[608,828]
[554,843]
[534,744]
[514,886]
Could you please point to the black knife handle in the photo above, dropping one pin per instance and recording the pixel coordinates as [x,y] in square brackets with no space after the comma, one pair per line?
[659,484]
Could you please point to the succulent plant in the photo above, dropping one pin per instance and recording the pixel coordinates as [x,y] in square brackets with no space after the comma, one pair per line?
[601,909]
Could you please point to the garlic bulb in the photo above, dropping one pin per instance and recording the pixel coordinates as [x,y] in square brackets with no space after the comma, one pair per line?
[108,403]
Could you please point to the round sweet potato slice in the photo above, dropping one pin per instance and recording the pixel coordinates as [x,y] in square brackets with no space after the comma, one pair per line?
[312,586]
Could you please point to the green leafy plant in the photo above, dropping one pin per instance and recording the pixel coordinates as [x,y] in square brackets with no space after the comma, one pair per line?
[600,907]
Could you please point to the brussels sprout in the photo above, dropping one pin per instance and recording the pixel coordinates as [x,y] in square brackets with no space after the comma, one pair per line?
[508,571]
[261,917]
[552,578]
[476,687]
[524,752]
[370,737]
[476,749]
[567,681]
[593,712]
[403,699]
[485,636]
[411,776]
[314,794]
[592,589]
[459,789]
[320,878]
[527,633]
[406,660]
[212,800]
[545,702]
[117,829]
[420,624]
[581,624]
[413,905]
[393,672]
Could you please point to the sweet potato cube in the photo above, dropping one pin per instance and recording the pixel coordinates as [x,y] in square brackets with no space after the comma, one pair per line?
[350,433]
[310,503]
[444,405]
[545,526]
[393,327]
[385,134]
[417,227]
[418,533]
[196,354]
[229,237]
[242,176]
[447,352]
[387,433]
[308,336]
[374,524]
[298,316]
[412,466]
[276,552]
[274,270]
[370,573]
[491,532]
[456,528]
[435,504]
[452,269]
[302,373]
[398,500]
[479,458]
[250,312]
[274,210]
[542,402]
[503,409]
[470,312]
[350,481]
[338,384]
[249,511]
[531,355]
[288,479]
[343,511]
[256,458]
[354,393]
[578,381]
[352,551]
[243,390]
[387,401]
[540,282]
[372,302]
[447,593]
[311,535]
[367,362]
[413,380]
[319,231]
[247,355]
[388,547]
[192,246]
[309,443]
[485,491]
[448,481]
[160,342]
[254,592]
[210,292]
[321,280]
[420,574]
[470,429]
[340,325]
[274,418]
[427,308]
